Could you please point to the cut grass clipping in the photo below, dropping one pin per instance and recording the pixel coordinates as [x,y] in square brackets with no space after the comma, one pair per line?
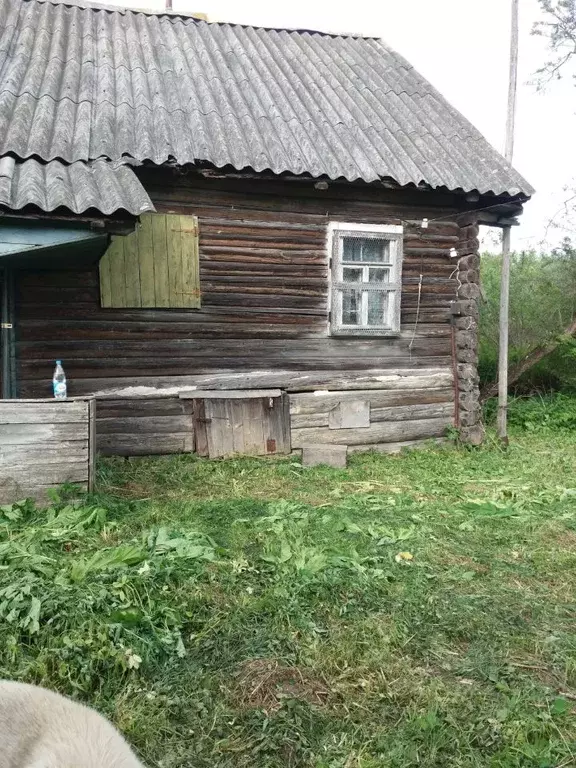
[413,610]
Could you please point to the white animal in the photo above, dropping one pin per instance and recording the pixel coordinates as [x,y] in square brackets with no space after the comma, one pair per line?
[41,729]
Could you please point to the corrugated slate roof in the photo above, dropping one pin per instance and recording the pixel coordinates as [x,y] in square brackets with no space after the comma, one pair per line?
[105,186]
[80,83]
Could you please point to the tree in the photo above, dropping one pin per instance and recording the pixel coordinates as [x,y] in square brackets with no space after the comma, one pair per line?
[542,318]
[559,27]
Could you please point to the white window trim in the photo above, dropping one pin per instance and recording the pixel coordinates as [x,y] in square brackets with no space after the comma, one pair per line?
[335,232]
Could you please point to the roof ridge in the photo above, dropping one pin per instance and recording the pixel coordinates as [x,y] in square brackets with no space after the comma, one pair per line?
[93,5]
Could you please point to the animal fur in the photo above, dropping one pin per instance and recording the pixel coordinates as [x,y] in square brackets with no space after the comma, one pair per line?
[41,729]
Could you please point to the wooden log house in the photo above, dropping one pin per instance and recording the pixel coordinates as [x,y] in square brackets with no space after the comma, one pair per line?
[238,239]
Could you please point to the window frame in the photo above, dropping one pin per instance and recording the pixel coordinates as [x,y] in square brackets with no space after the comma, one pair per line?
[393,233]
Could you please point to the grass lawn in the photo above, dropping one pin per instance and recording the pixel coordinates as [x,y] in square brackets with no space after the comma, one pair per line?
[413,610]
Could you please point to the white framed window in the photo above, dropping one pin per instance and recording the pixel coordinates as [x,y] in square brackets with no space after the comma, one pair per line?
[366,278]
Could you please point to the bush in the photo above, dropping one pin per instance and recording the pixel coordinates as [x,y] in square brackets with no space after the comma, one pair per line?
[542,305]
[538,413]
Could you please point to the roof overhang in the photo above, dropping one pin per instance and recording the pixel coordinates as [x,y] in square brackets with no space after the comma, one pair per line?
[26,245]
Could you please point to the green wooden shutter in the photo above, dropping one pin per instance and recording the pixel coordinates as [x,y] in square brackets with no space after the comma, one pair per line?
[157,266]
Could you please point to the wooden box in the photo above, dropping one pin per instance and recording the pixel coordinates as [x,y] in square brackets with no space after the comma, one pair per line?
[45,443]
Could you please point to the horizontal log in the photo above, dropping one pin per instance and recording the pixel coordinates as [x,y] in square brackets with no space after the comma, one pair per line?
[241,225]
[142,408]
[47,412]
[267,269]
[230,394]
[133,368]
[312,403]
[431,343]
[278,240]
[93,331]
[143,445]
[388,414]
[408,378]
[138,425]
[49,312]
[413,412]
[396,447]
[384,432]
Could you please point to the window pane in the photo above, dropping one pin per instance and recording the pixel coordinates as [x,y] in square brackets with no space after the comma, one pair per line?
[351,275]
[377,307]
[377,275]
[351,307]
[351,249]
[376,250]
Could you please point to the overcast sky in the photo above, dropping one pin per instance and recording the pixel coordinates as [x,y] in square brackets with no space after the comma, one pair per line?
[462,47]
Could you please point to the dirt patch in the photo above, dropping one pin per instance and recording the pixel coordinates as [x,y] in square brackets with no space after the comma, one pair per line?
[265,683]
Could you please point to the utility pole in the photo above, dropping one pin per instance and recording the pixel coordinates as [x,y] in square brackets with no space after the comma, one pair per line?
[505,277]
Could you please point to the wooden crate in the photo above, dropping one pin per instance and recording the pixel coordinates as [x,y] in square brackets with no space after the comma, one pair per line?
[45,443]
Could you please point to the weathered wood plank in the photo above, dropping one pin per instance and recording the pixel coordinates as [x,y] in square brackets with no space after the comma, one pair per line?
[348,414]
[12,491]
[174,241]
[26,434]
[236,416]
[321,402]
[160,249]
[44,453]
[254,421]
[230,394]
[46,474]
[133,290]
[396,431]
[47,412]
[190,262]
[410,412]
[143,424]
[277,424]
[396,447]
[200,427]
[147,262]
[389,414]
[291,380]
[218,429]
[142,445]
[141,407]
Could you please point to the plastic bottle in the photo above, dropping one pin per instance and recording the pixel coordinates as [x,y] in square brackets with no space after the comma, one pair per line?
[59,381]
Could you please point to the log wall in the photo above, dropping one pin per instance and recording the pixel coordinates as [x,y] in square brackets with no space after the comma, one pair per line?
[264,281]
